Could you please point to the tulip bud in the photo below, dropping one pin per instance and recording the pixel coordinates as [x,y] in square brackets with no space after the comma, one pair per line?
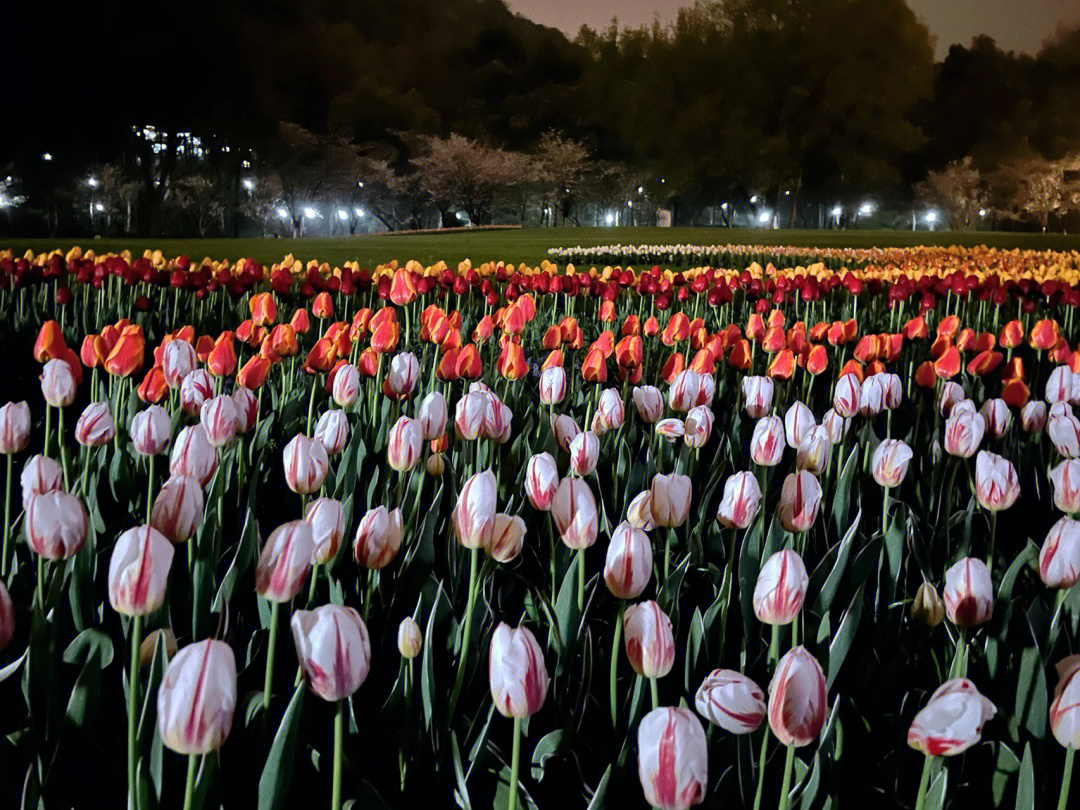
[334,650]
[847,395]
[1064,430]
[649,403]
[813,453]
[610,410]
[798,422]
[507,538]
[639,512]
[927,606]
[139,571]
[890,462]
[565,429]
[409,639]
[148,647]
[474,516]
[285,561]
[767,441]
[584,453]
[732,701]
[541,480]
[998,417]
[346,388]
[401,379]
[650,642]
[178,509]
[835,425]
[516,672]
[433,415]
[669,499]
[1065,710]
[178,359]
[151,430]
[193,455]
[7,617]
[797,699]
[1033,416]
[56,525]
[894,390]
[552,385]
[197,698]
[781,588]
[469,416]
[435,464]
[872,396]
[670,429]
[247,409]
[1065,479]
[497,420]
[628,564]
[14,427]
[683,393]
[741,501]
[327,519]
[195,388]
[1059,560]
[574,510]
[799,501]
[996,484]
[757,395]
[40,475]
[332,431]
[969,593]
[378,538]
[1059,385]
[698,426]
[95,426]
[306,464]
[673,762]
[951,393]
[951,722]
[218,418]
[58,383]
[964,433]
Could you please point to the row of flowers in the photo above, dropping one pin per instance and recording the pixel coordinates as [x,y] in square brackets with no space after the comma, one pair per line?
[693,470]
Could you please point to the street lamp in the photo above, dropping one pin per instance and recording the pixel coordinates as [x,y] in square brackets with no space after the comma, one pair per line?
[360,214]
[764,217]
[283,213]
[609,218]
[249,184]
[866,209]
[99,207]
[46,156]
[310,213]
[931,218]
[92,182]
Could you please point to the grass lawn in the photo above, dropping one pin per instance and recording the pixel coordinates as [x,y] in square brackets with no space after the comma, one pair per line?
[530,245]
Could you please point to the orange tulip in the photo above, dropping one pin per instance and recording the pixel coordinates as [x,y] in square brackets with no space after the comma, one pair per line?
[127,355]
[50,342]
[254,372]
[673,367]
[486,328]
[93,351]
[819,331]
[782,366]
[513,322]
[965,339]
[222,359]
[984,362]
[1045,334]
[594,366]
[774,340]
[1014,370]
[1015,393]
[777,319]
[300,322]
[740,356]
[368,362]
[629,352]
[447,368]
[153,388]
[1012,335]
[511,363]
[916,328]
[203,346]
[755,328]
[948,365]
[323,307]
[469,364]
[385,338]
[402,288]
[321,358]
[631,326]
[835,334]
[866,350]
[554,358]
[263,308]
[949,326]
[605,343]
[703,362]
[926,375]
[677,330]
[283,341]
[817,360]
[652,327]
[853,367]
[361,323]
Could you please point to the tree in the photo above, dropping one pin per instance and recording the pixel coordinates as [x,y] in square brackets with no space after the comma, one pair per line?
[560,165]
[1032,189]
[959,190]
[464,174]
[200,196]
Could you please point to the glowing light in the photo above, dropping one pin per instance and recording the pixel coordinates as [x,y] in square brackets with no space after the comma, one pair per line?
[359,183]
[764,217]
[92,182]
[99,207]
[360,213]
[866,209]
[310,213]
[641,189]
[46,156]
[837,211]
[753,199]
[249,184]
[343,215]
[283,213]
[931,217]
[983,212]
[609,218]
[723,206]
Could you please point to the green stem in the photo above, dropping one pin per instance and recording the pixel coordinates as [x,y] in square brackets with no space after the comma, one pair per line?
[789,761]
[924,782]
[311,587]
[150,490]
[655,692]
[1066,778]
[268,681]
[467,631]
[189,789]
[311,402]
[761,768]
[515,764]
[132,709]
[993,540]
[41,583]
[339,735]
[63,453]
[581,580]
[615,665]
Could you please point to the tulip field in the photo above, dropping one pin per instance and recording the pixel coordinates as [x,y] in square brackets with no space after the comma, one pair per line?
[647,527]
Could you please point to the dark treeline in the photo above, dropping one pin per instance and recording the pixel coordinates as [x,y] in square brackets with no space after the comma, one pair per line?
[242,115]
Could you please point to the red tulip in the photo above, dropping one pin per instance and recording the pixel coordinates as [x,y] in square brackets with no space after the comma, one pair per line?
[516,672]
[672,759]
[197,698]
[628,563]
[284,562]
[650,642]
[797,699]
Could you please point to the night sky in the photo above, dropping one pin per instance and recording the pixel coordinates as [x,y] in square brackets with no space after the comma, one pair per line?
[1015,24]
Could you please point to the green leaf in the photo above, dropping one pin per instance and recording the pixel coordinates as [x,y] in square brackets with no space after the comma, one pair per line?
[842,495]
[427,664]
[547,747]
[1030,708]
[600,794]
[827,592]
[462,791]
[1025,788]
[845,636]
[274,782]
